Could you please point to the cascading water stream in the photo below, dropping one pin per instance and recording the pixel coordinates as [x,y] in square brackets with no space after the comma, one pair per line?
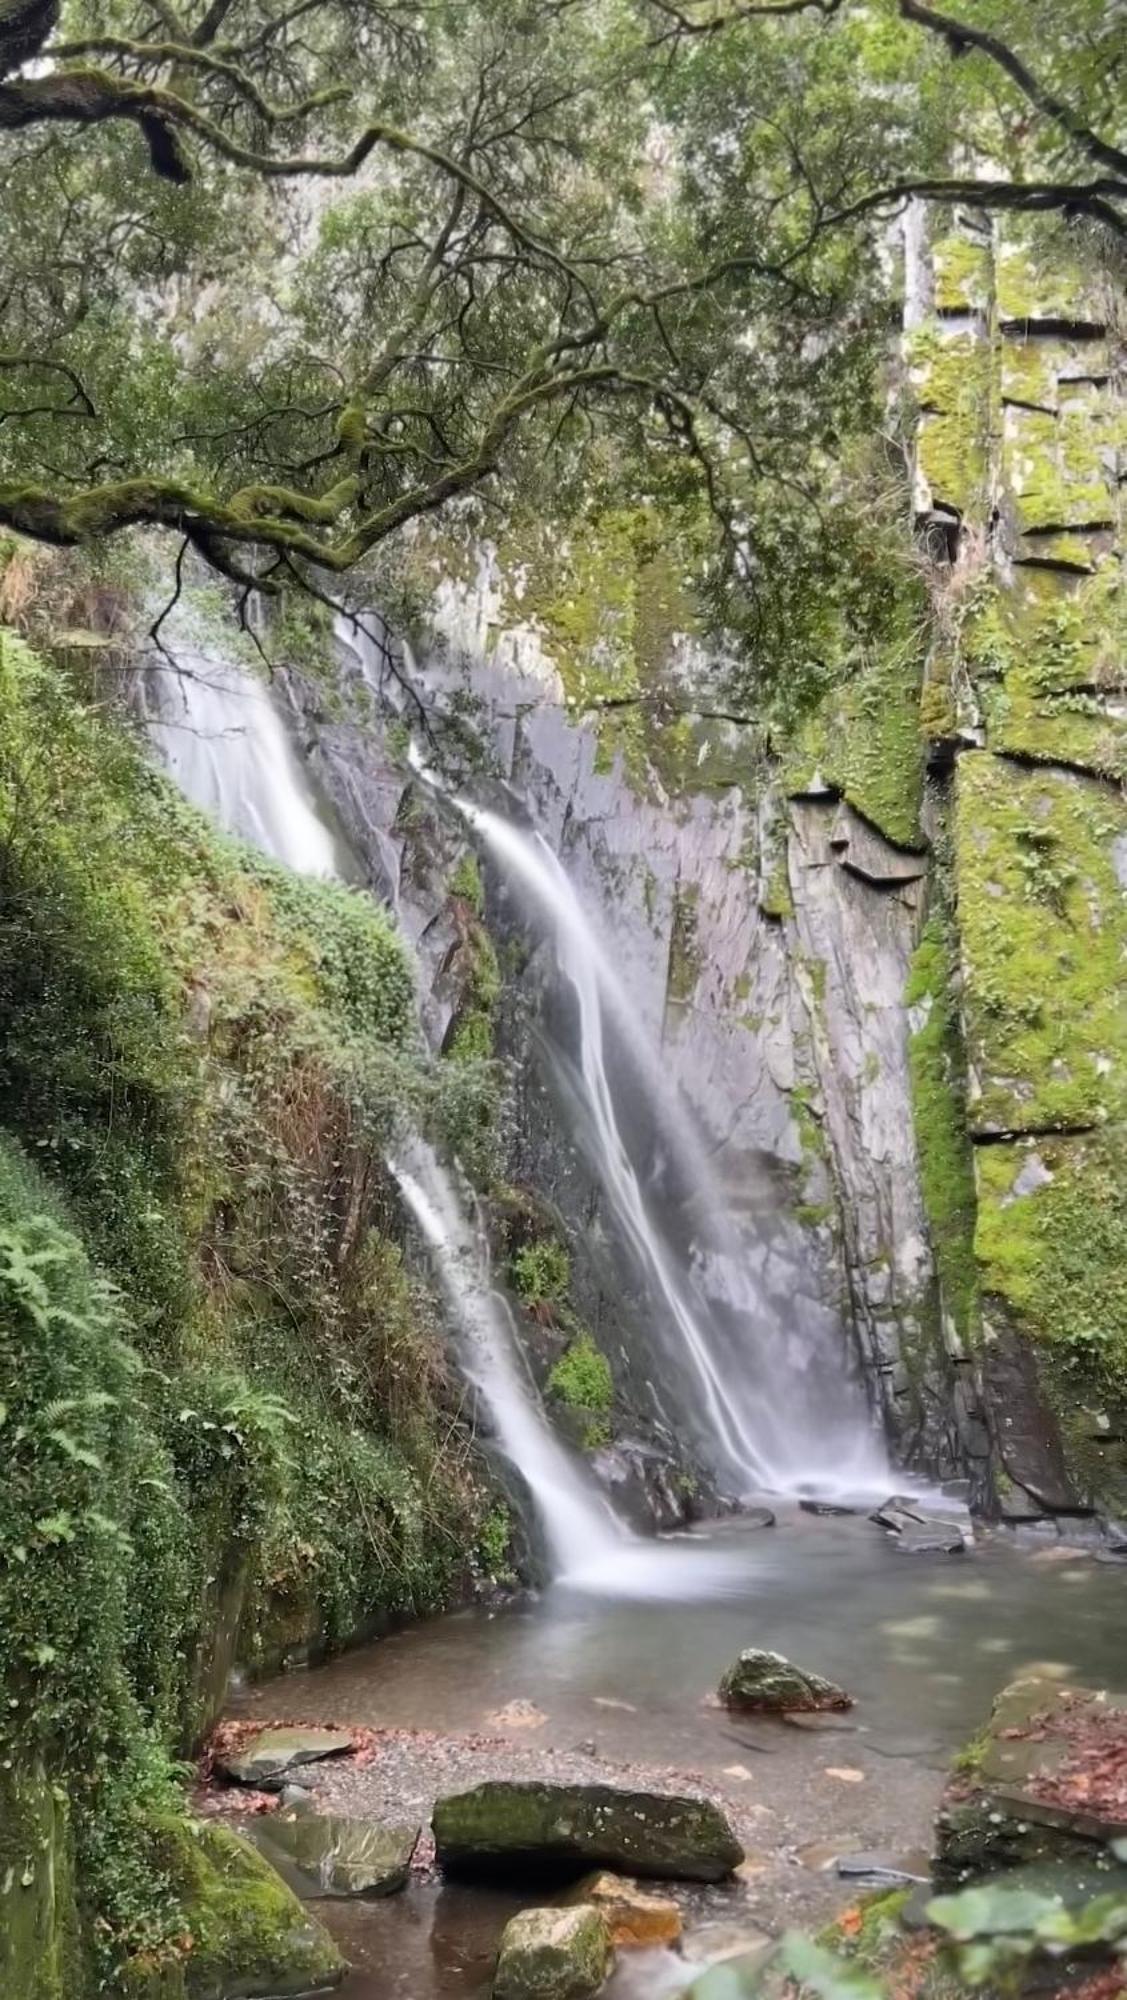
[771,1417]
[582,1532]
[220,736]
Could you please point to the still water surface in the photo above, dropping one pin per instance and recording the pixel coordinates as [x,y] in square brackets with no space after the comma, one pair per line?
[923,1643]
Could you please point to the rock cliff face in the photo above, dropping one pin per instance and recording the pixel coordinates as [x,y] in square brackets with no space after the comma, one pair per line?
[882,968]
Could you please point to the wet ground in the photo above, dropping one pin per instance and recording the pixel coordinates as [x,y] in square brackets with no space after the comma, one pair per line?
[590,1686]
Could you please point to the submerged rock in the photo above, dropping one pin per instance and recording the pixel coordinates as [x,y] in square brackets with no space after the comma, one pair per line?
[917,1533]
[501,1827]
[340,1857]
[553,1955]
[768,1681]
[633,1917]
[267,1759]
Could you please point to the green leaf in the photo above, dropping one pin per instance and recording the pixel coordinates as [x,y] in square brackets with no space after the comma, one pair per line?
[826,1974]
[990,1911]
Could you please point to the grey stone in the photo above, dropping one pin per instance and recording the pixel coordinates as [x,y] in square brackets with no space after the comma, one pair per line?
[764,1681]
[340,1857]
[267,1759]
[505,1828]
[558,1954]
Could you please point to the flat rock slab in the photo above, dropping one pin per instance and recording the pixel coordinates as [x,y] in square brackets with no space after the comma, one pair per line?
[553,1955]
[502,1827]
[766,1682]
[339,1857]
[268,1758]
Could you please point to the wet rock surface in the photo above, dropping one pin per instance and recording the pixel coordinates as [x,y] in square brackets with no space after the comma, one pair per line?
[1047,1779]
[534,1827]
[763,1682]
[553,1955]
[635,1918]
[333,1856]
[267,1760]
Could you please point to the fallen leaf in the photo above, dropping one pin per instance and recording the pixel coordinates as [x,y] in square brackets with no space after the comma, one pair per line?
[517,1715]
[737,1771]
[847,1773]
[608,1701]
[850,1922]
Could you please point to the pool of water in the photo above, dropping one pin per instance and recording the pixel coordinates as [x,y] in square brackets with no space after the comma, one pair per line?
[922,1642]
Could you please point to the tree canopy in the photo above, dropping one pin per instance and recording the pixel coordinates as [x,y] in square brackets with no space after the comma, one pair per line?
[285,276]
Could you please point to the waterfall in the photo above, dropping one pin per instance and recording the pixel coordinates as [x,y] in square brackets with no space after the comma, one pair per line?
[221,737]
[775,1412]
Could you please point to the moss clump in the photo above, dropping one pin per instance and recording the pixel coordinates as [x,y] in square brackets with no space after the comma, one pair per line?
[1042,654]
[939,1107]
[541,1273]
[1053,468]
[466,884]
[247,1932]
[684,952]
[1043,923]
[581,1383]
[963,267]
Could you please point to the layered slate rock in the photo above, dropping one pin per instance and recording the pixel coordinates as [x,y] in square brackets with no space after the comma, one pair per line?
[266,1761]
[333,1856]
[769,1683]
[633,1917]
[553,1955]
[506,1828]
[1047,1780]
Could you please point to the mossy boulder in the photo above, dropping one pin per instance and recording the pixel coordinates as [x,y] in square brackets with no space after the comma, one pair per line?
[553,1955]
[560,1830]
[769,1682]
[251,1937]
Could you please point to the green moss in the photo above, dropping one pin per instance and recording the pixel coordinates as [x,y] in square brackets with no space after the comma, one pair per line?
[541,1273]
[684,953]
[466,883]
[1043,923]
[581,1380]
[865,741]
[963,267]
[248,1933]
[40,1951]
[939,1111]
[1042,653]
[1053,469]
[1055,1256]
[951,376]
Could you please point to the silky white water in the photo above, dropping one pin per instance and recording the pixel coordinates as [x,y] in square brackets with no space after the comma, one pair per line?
[225,743]
[778,1416]
[219,734]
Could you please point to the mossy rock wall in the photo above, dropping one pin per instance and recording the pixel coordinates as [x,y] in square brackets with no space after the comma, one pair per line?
[227,1416]
[1022,424]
